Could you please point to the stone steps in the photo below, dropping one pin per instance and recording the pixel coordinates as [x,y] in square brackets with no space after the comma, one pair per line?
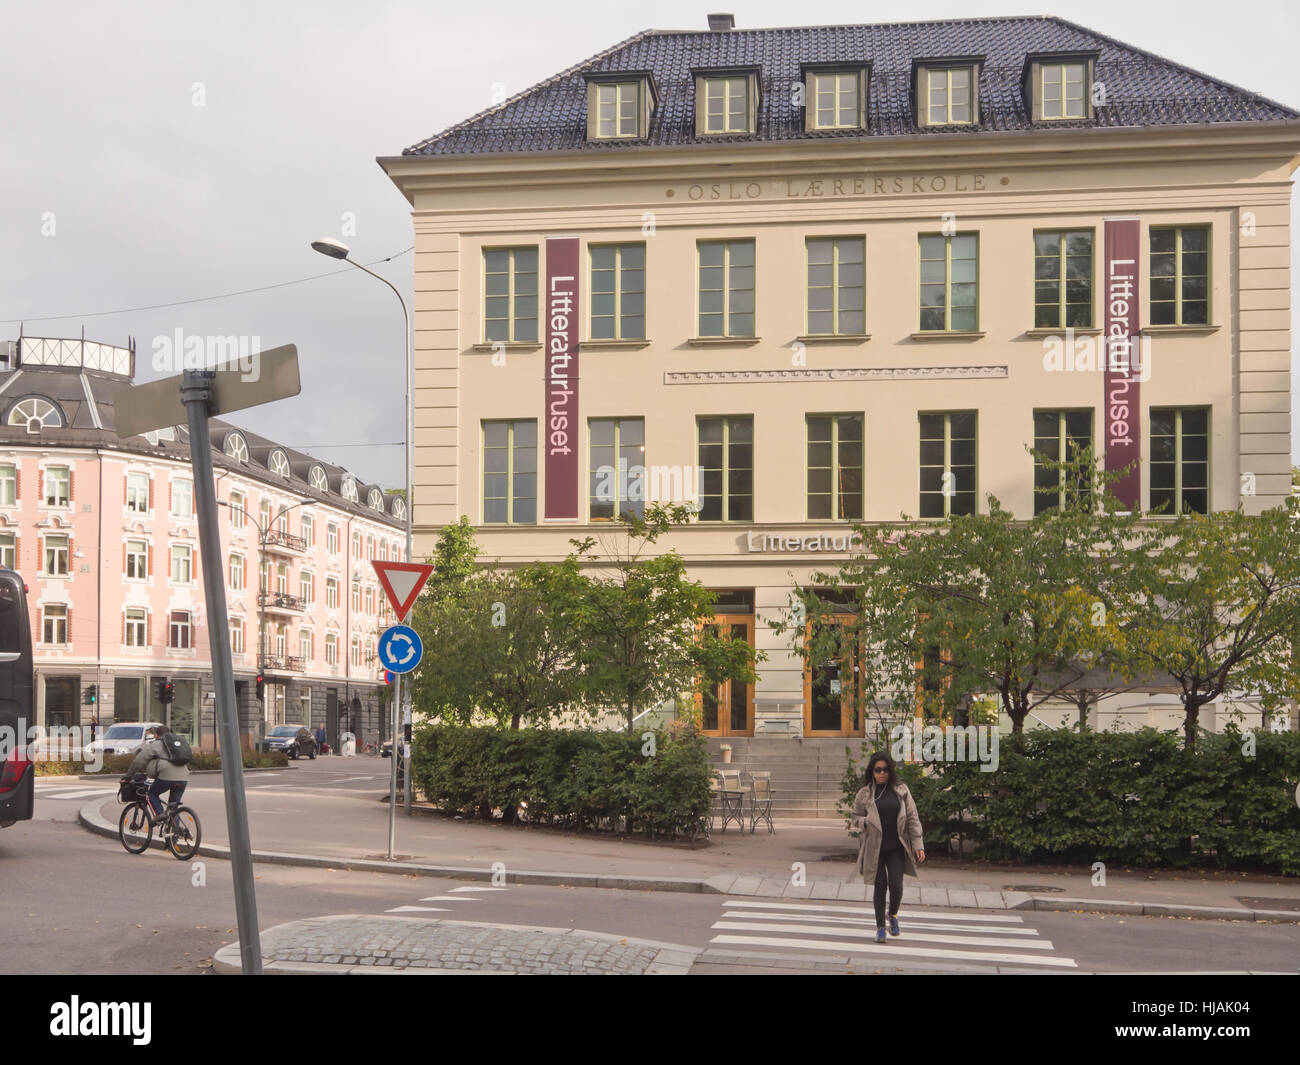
[806,772]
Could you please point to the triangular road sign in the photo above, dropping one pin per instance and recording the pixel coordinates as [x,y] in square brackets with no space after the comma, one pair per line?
[403,582]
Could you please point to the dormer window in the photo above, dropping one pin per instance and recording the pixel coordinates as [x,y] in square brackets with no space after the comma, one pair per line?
[726,103]
[1058,88]
[835,99]
[317,479]
[236,447]
[36,413]
[279,464]
[375,499]
[619,107]
[947,94]
[349,489]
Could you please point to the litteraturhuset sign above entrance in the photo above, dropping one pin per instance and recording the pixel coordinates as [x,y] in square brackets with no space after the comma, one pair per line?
[771,542]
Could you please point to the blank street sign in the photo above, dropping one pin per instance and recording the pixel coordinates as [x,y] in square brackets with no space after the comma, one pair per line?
[272,375]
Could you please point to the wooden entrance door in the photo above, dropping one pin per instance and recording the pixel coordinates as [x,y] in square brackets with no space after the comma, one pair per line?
[831,688]
[728,710]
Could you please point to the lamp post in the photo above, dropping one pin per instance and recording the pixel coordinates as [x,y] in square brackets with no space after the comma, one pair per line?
[338,250]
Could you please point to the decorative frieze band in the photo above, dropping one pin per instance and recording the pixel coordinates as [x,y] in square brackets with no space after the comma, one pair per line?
[856,373]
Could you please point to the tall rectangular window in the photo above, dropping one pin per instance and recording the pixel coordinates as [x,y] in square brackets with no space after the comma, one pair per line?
[1059,435]
[137,559]
[1061,90]
[618,292]
[8,550]
[617,467]
[616,109]
[836,286]
[726,292]
[237,636]
[510,294]
[237,512]
[178,630]
[331,649]
[726,468]
[949,282]
[948,96]
[331,593]
[332,538]
[282,578]
[834,104]
[56,556]
[1180,275]
[948,464]
[182,497]
[55,623]
[1063,279]
[835,465]
[58,486]
[726,105]
[136,627]
[8,485]
[1180,460]
[137,493]
[510,473]
[308,531]
[182,563]
[305,647]
[307,588]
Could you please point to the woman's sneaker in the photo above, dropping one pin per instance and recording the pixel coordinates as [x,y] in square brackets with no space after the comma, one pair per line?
[880,935]
[893,925]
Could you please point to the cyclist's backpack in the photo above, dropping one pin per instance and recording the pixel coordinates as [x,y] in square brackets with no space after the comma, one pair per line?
[178,749]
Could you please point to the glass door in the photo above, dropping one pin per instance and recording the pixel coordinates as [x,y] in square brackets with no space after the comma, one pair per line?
[728,709]
[832,693]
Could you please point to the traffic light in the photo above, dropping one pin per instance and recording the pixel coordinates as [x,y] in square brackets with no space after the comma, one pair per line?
[261,688]
[92,695]
[166,692]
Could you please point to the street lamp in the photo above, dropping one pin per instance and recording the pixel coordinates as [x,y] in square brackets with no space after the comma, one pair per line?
[336,249]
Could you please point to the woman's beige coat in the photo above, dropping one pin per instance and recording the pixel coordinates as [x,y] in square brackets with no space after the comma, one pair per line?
[867,819]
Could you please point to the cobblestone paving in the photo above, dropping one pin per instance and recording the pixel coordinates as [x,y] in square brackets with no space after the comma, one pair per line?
[360,941]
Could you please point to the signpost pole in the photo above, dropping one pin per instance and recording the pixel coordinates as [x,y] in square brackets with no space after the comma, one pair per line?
[392,782]
[196,394]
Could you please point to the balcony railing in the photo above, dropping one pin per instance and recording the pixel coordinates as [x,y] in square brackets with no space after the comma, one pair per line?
[278,538]
[281,601]
[280,663]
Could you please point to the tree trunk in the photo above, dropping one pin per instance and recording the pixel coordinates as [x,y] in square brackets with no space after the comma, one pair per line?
[1193,710]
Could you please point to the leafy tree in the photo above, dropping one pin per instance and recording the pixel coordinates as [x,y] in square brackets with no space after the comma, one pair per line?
[642,621]
[1218,607]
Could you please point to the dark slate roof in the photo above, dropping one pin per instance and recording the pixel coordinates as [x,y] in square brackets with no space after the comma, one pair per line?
[1142,89]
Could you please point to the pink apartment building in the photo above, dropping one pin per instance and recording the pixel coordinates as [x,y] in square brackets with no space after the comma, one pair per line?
[103,532]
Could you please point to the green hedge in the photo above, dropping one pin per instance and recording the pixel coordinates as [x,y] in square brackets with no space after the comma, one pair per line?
[571,778]
[1125,797]
[118,764]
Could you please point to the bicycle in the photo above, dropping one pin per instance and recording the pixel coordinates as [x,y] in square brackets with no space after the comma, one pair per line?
[179,825]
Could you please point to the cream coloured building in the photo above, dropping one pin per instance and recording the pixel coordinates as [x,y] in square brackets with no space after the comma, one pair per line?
[814,276]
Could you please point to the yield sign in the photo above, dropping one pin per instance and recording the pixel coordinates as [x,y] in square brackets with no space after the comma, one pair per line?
[403,582]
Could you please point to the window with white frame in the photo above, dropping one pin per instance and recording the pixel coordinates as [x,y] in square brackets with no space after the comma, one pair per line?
[182,498]
[137,493]
[8,484]
[54,623]
[8,550]
[236,571]
[135,633]
[332,538]
[356,596]
[56,556]
[182,563]
[307,588]
[281,640]
[282,578]
[179,630]
[370,600]
[725,106]
[237,636]
[356,651]
[331,593]
[308,531]
[305,645]
[237,512]
[331,649]
[356,544]
[58,486]
[137,559]
[948,96]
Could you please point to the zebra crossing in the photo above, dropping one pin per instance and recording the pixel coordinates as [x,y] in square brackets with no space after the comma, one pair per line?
[456,894]
[928,936]
[72,791]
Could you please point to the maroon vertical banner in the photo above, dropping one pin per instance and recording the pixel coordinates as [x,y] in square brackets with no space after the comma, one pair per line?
[561,439]
[1123,412]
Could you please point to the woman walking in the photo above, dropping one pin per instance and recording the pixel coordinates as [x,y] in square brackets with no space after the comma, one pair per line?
[885,812]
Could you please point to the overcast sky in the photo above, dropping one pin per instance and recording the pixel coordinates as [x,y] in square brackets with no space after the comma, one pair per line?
[156,200]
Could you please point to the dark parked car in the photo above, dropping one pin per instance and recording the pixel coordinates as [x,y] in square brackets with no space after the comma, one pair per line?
[294,740]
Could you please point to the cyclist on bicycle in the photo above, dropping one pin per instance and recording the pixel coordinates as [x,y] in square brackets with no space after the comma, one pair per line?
[152,760]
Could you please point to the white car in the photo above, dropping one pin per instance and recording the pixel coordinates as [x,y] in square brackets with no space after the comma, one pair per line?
[124,738]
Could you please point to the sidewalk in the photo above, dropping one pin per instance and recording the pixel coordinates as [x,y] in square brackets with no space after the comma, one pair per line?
[761,865]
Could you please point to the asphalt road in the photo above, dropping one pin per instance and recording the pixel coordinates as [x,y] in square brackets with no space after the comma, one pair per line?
[78,903]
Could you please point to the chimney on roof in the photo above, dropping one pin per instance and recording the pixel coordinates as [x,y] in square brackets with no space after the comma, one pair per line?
[722,23]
